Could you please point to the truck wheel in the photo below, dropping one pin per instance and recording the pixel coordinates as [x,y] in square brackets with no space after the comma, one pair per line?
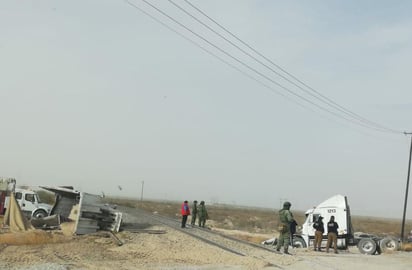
[367,246]
[40,214]
[298,242]
[389,244]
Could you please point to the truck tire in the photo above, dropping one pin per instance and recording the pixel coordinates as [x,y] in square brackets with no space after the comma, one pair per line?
[40,214]
[298,242]
[389,244]
[367,246]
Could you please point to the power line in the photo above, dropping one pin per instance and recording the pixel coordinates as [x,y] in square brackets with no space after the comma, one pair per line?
[269,88]
[247,66]
[219,58]
[318,95]
[322,99]
[256,71]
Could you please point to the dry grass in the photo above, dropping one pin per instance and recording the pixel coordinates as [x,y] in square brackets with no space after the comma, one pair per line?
[261,220]
[379,226]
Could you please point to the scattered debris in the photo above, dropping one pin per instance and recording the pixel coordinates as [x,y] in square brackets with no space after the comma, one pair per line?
[88,211]
[113,236]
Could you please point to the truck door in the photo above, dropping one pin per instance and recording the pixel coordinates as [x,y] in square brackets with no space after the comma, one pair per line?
[29,202]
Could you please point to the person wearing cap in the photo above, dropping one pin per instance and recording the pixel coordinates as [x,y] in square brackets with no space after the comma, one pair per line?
[285,219]
[185,210]
[194,213]
[332,234]
[319,230]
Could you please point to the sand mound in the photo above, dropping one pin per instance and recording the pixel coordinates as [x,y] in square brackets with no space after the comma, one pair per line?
[34,237]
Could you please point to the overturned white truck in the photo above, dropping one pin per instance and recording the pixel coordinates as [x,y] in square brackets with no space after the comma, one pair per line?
[338,207]
[88,211]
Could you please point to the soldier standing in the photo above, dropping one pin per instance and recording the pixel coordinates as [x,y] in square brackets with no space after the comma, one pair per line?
[194,213]
[202,213]
[285,219]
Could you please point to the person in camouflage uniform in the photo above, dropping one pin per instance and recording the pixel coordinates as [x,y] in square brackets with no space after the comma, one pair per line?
[202,214]
[285,219]
[194,213]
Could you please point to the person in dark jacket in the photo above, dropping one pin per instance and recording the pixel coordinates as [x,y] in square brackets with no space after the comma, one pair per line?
[319,230]
[293,226]
[185,210]
[332,234]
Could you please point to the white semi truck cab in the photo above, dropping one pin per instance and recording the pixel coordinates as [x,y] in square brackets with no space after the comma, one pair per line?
[28,199]
[30,203]
[338,207]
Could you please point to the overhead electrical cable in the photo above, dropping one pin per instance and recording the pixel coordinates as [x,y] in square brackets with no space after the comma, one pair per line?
[311,90]
[271,89]
[322,99]
[219,58]
[258,72]
[247,66]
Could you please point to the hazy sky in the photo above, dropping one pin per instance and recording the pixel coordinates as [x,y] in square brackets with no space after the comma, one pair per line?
[97,94]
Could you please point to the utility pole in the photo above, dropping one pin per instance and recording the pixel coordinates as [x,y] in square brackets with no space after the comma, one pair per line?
[407,189]
[141,195]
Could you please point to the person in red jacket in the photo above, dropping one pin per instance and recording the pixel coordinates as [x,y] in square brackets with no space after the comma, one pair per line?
[185,212]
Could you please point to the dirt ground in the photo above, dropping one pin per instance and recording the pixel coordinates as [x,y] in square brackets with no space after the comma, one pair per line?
[170,250]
